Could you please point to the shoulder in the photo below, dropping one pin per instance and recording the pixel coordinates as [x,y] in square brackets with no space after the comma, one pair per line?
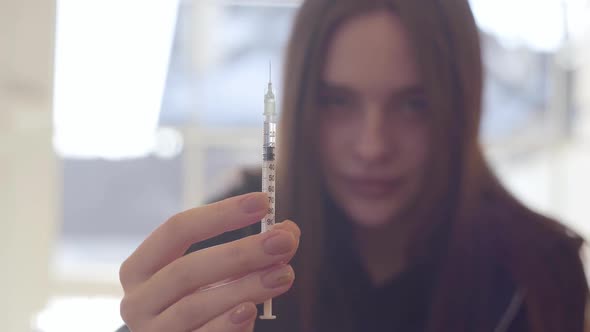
[514,226]
[543,258]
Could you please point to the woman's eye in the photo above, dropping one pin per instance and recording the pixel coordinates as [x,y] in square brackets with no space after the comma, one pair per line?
[415,105]
[334,101]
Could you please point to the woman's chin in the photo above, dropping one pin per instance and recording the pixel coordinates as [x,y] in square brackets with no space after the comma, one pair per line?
[370,218]
[371,223]
[370,211]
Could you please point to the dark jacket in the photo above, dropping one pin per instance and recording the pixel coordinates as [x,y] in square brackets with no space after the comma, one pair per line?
[402,304]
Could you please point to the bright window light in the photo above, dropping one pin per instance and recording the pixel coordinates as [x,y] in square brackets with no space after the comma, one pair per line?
[111,63]
[536,24]
[74,314]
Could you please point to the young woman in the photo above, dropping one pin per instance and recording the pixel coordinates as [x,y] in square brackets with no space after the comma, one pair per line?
[398,222]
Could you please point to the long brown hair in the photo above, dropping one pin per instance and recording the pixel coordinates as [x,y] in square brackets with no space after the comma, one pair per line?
[446,41]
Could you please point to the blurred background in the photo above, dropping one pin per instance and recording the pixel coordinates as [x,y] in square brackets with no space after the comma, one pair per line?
[115,114]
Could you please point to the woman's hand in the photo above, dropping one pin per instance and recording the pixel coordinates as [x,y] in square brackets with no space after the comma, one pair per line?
[214,289]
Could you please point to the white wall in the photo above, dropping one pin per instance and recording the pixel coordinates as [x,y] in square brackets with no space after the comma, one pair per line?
[583,92]
[28,176]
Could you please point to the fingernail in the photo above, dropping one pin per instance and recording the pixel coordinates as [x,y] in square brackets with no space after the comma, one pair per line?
[279,243]
[279,277]
[283,225]
[243,313]
[254,203]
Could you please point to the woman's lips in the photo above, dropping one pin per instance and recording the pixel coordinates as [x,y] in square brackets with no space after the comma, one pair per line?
[373,187]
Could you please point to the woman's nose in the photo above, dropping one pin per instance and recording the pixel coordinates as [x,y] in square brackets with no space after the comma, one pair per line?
[372,145]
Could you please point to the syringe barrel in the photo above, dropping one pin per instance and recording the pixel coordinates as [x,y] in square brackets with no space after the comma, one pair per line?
[269,107]
[268,153]
[270,132]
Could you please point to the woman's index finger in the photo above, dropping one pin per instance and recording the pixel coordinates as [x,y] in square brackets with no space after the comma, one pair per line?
[171,239]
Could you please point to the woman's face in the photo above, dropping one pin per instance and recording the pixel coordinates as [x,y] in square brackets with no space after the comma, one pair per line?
[374,127]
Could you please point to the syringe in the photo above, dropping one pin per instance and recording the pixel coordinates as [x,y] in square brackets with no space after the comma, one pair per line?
[268,169]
